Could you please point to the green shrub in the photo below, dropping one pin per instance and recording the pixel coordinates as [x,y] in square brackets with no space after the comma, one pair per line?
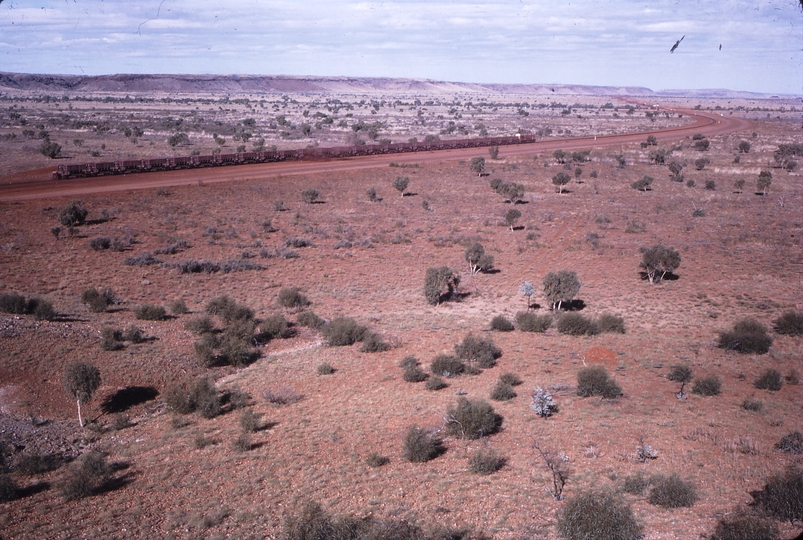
[150,312]
[439,283]
[575,324]
[42,309]
[611,324]
[372,342]
[236,344]
[635,484]
[178,399]
[681,374]
[409,362]
[325,369]
[88,475]
[420,445]
[73,214]
[595,381]
[510,378]
[707,386]
[672,492]
[782,495]
[481,352]
[791,442]
[8,489]
[435,383]
[133,334]
[200,325]
[310,320]
[250,421]
[485,462]
[472,419]
[597,514]
[343,331]
[790,323]
[747,336]
[205,350]
[100,243]
[754,405]
[530,322]
[228,310]
[111,339]
[502,391]
[98,300]
[13,303]
[273,327]
[205,398]
[310,196]
[313,523]
[291,297]
[745,525]
[771,379]
[414,374]
[242,443]
[178,307]
[376,460]
[501,324]
[447,366]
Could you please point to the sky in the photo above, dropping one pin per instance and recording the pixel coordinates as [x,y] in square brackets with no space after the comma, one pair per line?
[589,42]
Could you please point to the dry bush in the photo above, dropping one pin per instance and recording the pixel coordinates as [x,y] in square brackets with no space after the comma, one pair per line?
[150,312]
[178,307]
[250,421]
[472,419]
[414,374]
[790,323]
[310,320]
[575,324]
[481,352]
[510,378]
[485,462]
[753,405]
[100,243]
[372,342]
[409,362]
[29,464]
[435,383]
[242,443]
[611,324]
[228,310]
[200,325]
[782,495]
[343,331]
[597,514]
[502,391]
[672,492]
[530,322]
[770,379]
[745,525]
[420,445]
[376,460]
[88,475]
[310,196]
[282,396]
[681,374]
[595,381]
[791,442]
[98,300]
[273,327]
[501,324]
[201,397]
[133,334]
[635,484]
[747,336]
[447,366]
[291,297]
[325,369]
[707,386]
[18,304]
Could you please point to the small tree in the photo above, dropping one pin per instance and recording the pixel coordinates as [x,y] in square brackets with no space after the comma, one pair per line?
[677,171]
[700,164]
[493,151]
[511,217]
[478,165]
[658,261]
[401,183]
[557,464]
[764,181]
[744,147]
[477,259]
[439,281]
[643,184]
[560,156]
[81,380]
[561,287]
[528,291]
[50,149]
[560,180]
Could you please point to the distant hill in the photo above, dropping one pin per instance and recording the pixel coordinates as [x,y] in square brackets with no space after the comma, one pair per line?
[258,84]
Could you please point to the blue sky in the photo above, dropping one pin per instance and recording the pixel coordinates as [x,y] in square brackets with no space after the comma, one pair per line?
[595,42]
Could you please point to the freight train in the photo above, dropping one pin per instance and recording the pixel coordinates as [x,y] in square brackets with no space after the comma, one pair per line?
[82,170]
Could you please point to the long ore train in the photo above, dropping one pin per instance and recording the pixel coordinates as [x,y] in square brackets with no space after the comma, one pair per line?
[82,170]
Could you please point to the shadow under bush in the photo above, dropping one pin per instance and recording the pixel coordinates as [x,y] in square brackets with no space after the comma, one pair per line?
[782,495]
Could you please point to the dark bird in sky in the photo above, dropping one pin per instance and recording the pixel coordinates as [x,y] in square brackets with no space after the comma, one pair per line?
[675,46]
[720,46]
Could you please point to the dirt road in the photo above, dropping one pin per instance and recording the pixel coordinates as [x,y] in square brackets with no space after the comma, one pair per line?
[39,185]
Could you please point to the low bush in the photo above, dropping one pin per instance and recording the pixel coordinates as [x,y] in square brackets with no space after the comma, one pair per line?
[150,312]
[414,374]
[770,379]
[18,304]
[790,323]
[205,398]
[635,484]
[479,351]
[8,489]
[310,196]
[595,381]
[435,383]
[672,492]
[111,339]
[178,399]
[485,462]
[273,327]
[530,322]
[791,442]
[98,300]
[343,331]
[472,419]
[747,336]
[597,514]
[447,366]
[376,460]
[31,464]
[88,475]
[372,342]
[133,334]
[502,391]
[707,386]
[250,421]
[753,405]
[73,214]
[291,297]
[745,525]
[325,369]
[310,320]
[501,324]
[242,443]
[420,445]
[782,495]
[575,324]
[178,307]
[228,310]
[282,396]
[100,243]
[409,362]
[542,403]
[510,378]
[611,324]
[200,325]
